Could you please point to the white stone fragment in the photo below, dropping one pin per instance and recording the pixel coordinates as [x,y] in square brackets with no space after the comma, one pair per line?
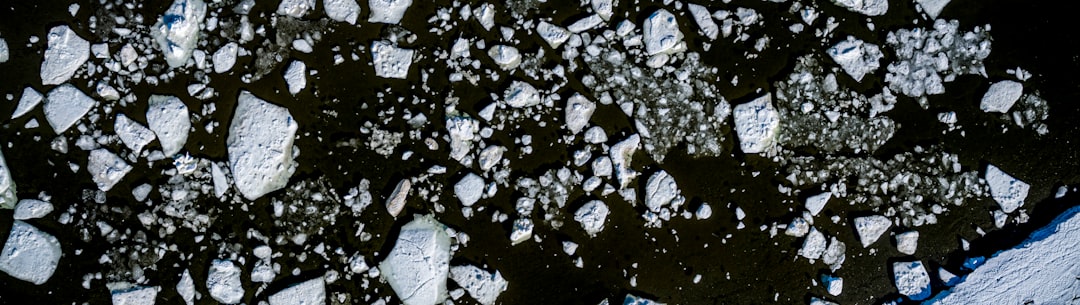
[134,135]
[704,20]
[225,57]
[856,57]
[660,190]
[865,7]
[7,185]
[521,94]
[419,263]
[30,99]
[554,35]
[296,76]
[814,245]
[591,216]
[870,228]
[622,154]
[30,254]
[260,146]
[661,32]
[1009,192]
[177,31]
[483,286]
[168,117]
[1001,96]
[66,53]
[932,8]
[310,292]
[396,202]
[31,209]
[469,189]
[579,110]
[106,168]
[128,294]
[223,282]
[186,288]
[816,203]
[390,61]
[295,8]
[387,11]
[506,57]
[756,124]
[342,10]
[907,242]
[912,280]
[65,105]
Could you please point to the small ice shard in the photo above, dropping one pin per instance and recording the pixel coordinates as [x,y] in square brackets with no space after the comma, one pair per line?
[1001,96]
[5,52]
[814,245]
[30,254]
[660,190]
[296,76]
[483,286]
[933,8]
[756,124]
[225,57]
[106,168]
[636,300]
[521,94]
[865,7]
[221,183]
[296,8]
[419,263]
[797,228]
[390,61]
[490,156]
[223,282]
[579,110]
[591,216]
[127,294]
[7,185]
[907,242]
[310,292]
[1061,192]
[177,31]
[396,202]
[912,280]
[469,189]
[870,228]
[260,146]
[554,35]
[30,99]
[595,135]
[186,288]
[134,135]
[622,155]
[65,54]
[168,117]
[65,105]
[387,11]
[31,209]
[585,24]
[342,10]
[506,57]
[522,231]
[833,284]
[1006,190]
[704,20]
[947,278]
[856,57]
[661,32]
[816,203]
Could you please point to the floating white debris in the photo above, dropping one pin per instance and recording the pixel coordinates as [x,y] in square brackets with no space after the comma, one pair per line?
[856,57]
[622,154]
[579,110]
[797,228]
[342,10]
[418,265]
[554,35]
[834,285]
[186,288]
[223,282]
[816,203]
[390,61]
[592,216]
[396,202]
[835,254]
[1001,96]
[65,54]
[756,124]
[636,300]
[296,76]
[168,117]
[870,228]
[134,135]
[462,131]
[32,208]
[865,7]
[661,32]
[469,189]
[704,20]
[128,294]
[1009,192]
[912,280]
[660,190]
[7,185]
[604,8]
[907,242]
[221,183]
[521,94]
[106,168]
[485,15]
[297,8]
[506,57]
[30,99]
[483,286]
[814,245]
[260,146]
[490,156]
[225,57]
[65,105]
[5,52]
[933,8]
[30,254]
[819,301]
[585,24]
[310,292]
[522,231]
[704,211]
[177,31]
[387,11]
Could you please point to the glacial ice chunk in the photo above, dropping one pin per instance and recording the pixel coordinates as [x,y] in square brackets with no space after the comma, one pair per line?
[704,20]
[30,254]
[186,288]
[396,202]
[579,110]
[469,189]
[5,52]
[661,32]
[168,117]
[177,31]
[106,168]
[342,10]
[856,57]
[296,76]
[483,286]
[521,94]
[295,8]
[912,280]
[660,190]
[865,7]
[310,292]
[622,155]
[591,216]
[814,245]
[419,263]
[907,242]
[933,8]
[30,99]
[816,203]
[134,135]
[636,300]
[1009,192]
[870,228]
[7,185]
[31,209]
[127,294]
[756,124]
[260,146]
[388,11]
[1001,96]
[65,105]
[389,60]
[66,53]
[554,35]
[223,282]
[225,57]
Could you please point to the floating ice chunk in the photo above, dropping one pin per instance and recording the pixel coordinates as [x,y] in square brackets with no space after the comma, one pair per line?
[469,189]
[186,288]
[223,282]
[604,8]
[595,135]
[660,190]
[65,54]
[485,14]
[636,300]
[5,53]
[522,231]
[30,254]
[912,280]
[819,301]
[835,254]
[418,265]
[704,20]
[297,8]
[106,168]
[177,31]
[870,228]
[32,208]
[661,32]
[622,155]
[1001,96]
[342,10]
[387,11]
[65,105]
[462,131]
[7,185]
[1006,190]
[907,242]
[554,35]
[704,211]
[221,183]
[506,57]
[521,94]
[585,24]
[490,156]
[933,8]
[756,124]
[816,203]
[390,61]
[168,117]
[134,135]
[856,57]
[225,57]
[260,146]
[296,76]
[592,216]
[834,285]
[601,166]
[797,228]
[30,99]
[579,110]
[310,292]
[483,286]
[814,245]
[128,294]
[865,7]
[396,202]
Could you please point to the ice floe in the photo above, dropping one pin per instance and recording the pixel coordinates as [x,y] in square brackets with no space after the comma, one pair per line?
[296,76]
[106,168]
[168,117]
[65,105]
[870,228]
[591,216]
[31,209]
[661,33]
[856,57]
[30,254]
[310,292]
[387,11]
[1009,192]
[389,60]
[260,146]
[342,10]
[865,7]
[419,263]
[7,185]
[134,135]
[223,282]
[756,124]
[298,8]
[912,280]
[30,99]
[1001,96]
[128,294]
[483,286]
[177,31]
[65,54]
[225,57]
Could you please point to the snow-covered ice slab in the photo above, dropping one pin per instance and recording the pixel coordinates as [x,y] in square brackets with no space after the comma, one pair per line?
[31,209]
[389,60]
[30,99]
[521,94]
[870,228]
[128,294]
[260,146]
[907,242]
[912,280]
[660,190]
[5,52]
[30,254]
[814,245]
[223,282]
[310,292]
[579,110]
[469,189]
[816,203]
[554,35]
[704,20]
[507,57]
[65,105]
[591,216]
[636,300]
[387,11]
[169,119]
[1009,192]
[1001,96]
[661,32]
[856,57]
[7,185]
[296,76]
[186,288]
[865,7]
[65,54]
[342,10]
[106,168]
[483,286]
[296,8]
[225,57]
[134,135]
[177,31]
[756,124]
[418,266]
[933,8]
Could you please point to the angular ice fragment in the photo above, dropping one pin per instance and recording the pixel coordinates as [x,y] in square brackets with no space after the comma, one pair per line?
[30,99]
[490,156]
[585,24]
[661,32]
[296,76]
[225,57]
[756,124]
[1009,192]
[296,8]
[462,131]
[522,231]
[260,146]
[387,11]
[865,7]
[704,20]
[506,57]
[396,202]
[816,203]
[660,190]
[186,288]
[419,263]
[819,301]
[856,57]
[835,254]
[469,189]
[554,35]
[603,8]
[168,117]
[65,105]
[636,300]
[592,216]
[310,292]
[32,208]
[814,245]
[485,14]
[177,31]
[579,110]
[833,284]
[870,228]
[221,183]
[7,185]
[106,168]
[390,61]
[223,282]
[912,280]
[5,53]
[483,286]
[30,254]
[342,10]
[933,8]
[65,54]
[521,94]
[622,155]
[128,294]
[907,242]
[1001,96]
[134,135]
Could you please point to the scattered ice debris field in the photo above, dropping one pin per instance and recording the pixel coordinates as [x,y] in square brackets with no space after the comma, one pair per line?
[528,152]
